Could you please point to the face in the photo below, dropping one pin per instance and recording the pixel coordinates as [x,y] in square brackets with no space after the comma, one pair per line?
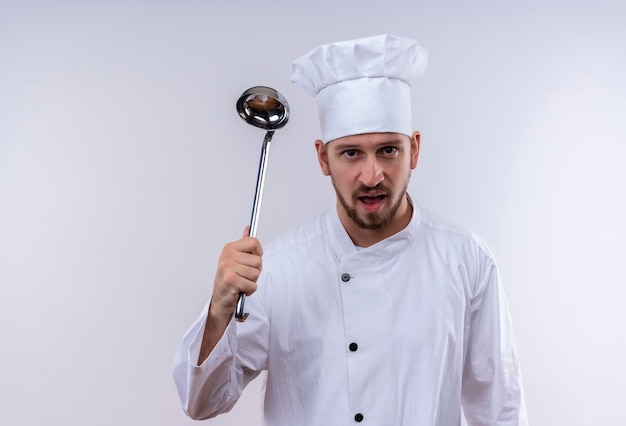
[370,174]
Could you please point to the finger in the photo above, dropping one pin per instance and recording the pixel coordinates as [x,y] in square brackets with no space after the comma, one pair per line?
[247,286]
[245,245]
[237,279]
[248,273]
[234,264]
[245,258]
[246,235]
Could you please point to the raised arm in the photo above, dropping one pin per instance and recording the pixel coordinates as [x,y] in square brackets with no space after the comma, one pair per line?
[238,270]
[208,372]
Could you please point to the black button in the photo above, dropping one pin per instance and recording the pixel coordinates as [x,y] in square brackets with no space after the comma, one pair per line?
[345,277]
[358,417]
[353,347]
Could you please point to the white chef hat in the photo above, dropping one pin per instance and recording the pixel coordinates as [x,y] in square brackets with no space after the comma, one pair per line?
[362,85]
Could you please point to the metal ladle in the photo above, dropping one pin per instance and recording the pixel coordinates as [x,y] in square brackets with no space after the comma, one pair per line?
[267,109]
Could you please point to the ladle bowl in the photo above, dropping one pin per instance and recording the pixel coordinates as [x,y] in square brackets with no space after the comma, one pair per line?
[263,107]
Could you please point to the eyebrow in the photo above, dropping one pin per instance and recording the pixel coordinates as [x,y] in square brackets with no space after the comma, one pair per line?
[348,146]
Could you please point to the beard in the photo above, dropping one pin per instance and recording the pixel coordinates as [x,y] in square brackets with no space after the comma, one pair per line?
[372,220]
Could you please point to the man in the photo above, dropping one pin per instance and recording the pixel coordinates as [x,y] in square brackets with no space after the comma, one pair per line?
[376,312]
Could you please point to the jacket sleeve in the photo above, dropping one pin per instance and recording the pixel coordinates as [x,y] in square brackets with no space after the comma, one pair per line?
[492,392]
[214,387]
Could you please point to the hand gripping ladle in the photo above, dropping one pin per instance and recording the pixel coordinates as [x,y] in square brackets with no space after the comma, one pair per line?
[267,109]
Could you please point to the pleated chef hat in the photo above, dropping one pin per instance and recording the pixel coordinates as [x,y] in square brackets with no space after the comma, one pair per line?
[362,85]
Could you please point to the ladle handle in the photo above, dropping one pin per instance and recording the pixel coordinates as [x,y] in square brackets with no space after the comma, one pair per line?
[254,219]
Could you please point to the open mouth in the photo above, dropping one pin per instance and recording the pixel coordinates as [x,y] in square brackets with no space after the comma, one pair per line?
[372,199]
[372,202]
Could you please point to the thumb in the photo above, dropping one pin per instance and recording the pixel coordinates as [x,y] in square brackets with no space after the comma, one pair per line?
[246,232]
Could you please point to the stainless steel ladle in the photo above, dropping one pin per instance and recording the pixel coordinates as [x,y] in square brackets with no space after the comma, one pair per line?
[267,109]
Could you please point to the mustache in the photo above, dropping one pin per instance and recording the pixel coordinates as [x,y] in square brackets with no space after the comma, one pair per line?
[364,189]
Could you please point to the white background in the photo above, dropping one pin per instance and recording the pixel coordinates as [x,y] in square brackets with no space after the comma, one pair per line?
[124,169]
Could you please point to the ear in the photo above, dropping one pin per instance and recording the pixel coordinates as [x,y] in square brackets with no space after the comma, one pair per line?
[415,148]
[322,157]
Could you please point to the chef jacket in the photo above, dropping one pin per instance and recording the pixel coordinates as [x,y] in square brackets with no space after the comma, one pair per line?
[413,330]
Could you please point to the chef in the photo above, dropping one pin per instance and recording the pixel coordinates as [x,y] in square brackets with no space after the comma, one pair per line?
[377,312]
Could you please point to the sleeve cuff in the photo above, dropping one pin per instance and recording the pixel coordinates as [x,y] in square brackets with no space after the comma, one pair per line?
[226,347]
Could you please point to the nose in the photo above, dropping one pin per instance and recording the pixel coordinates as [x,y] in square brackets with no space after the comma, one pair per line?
[371,172]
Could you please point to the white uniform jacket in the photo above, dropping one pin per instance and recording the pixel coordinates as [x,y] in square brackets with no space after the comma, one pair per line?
[405,332]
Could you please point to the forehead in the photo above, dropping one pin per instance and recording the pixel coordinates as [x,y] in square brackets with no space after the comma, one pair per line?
[367,140]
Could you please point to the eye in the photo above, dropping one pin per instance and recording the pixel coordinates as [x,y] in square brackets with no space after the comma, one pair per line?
[389,151]
[350,153]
